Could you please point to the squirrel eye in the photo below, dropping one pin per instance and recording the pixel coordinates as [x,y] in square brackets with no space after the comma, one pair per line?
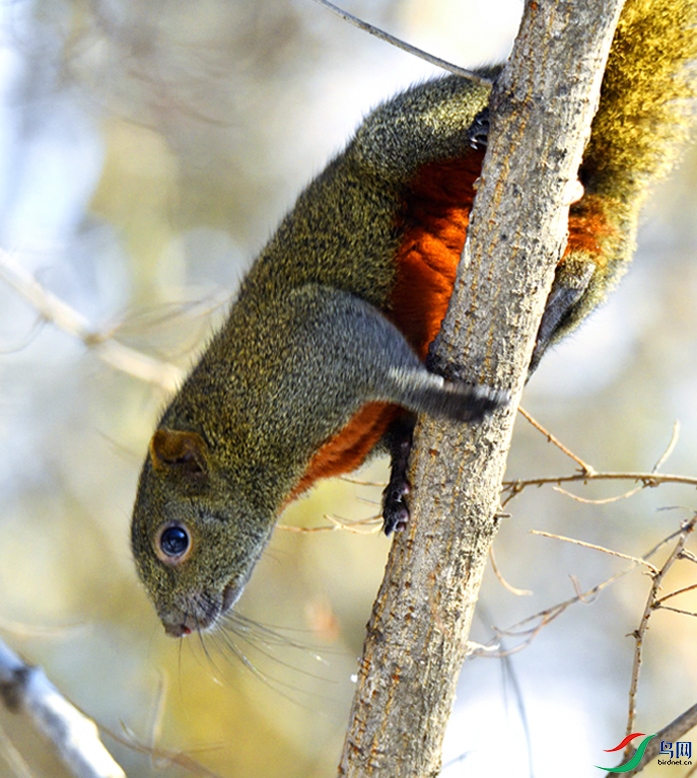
[173,543]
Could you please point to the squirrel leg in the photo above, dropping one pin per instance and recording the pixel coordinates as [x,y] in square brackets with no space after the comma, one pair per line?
[570,284]
[398,440]
[340,356]
[365,358]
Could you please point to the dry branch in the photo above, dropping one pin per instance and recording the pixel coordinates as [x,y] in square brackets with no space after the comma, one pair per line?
[650,479]
[400,44]
[589,473]
[418,631]
[540,619]
[26,689]
[595,547]
[115,354]
[640,634]
[585,467]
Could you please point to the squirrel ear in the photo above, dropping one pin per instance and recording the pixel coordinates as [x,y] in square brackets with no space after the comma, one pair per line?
[184,450]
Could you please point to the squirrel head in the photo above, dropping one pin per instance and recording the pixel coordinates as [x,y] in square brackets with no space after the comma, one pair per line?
[194,544]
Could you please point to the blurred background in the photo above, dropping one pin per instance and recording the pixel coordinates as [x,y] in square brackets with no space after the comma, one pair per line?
[147,151]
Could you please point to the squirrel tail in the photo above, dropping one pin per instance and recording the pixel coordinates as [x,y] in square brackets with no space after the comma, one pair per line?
[645,107]
[645,114]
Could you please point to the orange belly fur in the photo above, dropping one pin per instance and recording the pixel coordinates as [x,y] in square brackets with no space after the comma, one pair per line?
[433,222]
[588,227]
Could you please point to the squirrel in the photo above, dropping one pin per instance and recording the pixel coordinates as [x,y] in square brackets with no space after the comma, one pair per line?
[323,358]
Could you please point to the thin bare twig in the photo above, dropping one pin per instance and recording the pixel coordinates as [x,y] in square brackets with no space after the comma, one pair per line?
[600,500]
[111,351]
[544,617]
[368,526]
[672,443]
[686,529]
[659,462]
[675,610]
[636,560]
[586,469]
[682,590]
[512,589]
[649,479]
[160,756]
[588,472]
[400,44]
[26,689]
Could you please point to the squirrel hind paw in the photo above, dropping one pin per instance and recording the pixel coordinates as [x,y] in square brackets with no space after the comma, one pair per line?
[395,511]
[395,514]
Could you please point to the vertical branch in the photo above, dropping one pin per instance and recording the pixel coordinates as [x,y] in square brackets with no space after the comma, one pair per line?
[542,108]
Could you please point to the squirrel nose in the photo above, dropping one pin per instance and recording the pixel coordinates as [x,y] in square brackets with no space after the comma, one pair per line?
[182,621]
[177,630]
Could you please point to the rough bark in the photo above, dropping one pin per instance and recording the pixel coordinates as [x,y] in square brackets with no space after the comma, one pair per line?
[416,641]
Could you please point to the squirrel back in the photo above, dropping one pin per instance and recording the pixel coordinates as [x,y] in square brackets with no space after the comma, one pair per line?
[321,361]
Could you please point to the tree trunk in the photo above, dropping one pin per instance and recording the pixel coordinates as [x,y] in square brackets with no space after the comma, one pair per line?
[542,108]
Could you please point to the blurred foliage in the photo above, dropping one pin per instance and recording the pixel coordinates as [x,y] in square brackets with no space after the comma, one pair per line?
[147,150]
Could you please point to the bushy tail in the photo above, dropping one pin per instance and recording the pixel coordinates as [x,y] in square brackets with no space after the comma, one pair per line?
[647,109]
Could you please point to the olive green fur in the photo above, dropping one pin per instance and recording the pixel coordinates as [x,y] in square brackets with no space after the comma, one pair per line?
[342,231]
[306,343]
[304,348]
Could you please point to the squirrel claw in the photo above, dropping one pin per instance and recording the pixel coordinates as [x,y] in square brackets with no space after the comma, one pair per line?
[395,511]
[395,515]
